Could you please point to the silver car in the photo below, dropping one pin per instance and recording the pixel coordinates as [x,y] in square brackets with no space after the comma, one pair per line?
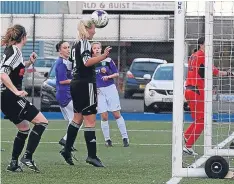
[41,67]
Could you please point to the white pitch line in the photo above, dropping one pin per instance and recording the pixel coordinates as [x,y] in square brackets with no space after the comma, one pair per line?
[115,130]
[174,180]
[135,144]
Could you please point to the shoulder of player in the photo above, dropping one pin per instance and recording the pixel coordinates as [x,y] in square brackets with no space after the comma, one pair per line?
[200,53]
[17,50]
[84,41]
[59,62]
[67,63]
[12,50]
[108,59]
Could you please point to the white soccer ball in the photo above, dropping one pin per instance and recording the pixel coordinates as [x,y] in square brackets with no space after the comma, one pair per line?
[100,18]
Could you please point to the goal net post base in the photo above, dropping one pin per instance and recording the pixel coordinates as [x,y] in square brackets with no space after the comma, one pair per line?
[199,173]
[218,132]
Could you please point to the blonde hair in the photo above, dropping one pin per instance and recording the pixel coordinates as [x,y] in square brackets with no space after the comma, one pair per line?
[82,26]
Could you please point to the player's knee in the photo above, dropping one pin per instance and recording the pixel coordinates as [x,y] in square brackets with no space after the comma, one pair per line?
[90,124]
[104,116]
[23,126]
[116,114]
[40,118]
[78,118]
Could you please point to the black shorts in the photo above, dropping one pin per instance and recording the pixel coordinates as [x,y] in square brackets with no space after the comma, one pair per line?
[84,96]
[17,108]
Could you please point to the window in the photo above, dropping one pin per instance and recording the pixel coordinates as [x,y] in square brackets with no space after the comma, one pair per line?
[52,72]
[144,66]
[166,73]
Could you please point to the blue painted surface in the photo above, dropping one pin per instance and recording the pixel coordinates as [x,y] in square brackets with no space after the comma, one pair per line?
[146,117]
[21,7]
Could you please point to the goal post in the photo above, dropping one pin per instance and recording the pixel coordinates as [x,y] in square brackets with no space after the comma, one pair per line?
[217,135]
[178,99]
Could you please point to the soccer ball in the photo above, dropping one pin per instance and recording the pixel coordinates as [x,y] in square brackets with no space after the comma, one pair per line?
[100,18]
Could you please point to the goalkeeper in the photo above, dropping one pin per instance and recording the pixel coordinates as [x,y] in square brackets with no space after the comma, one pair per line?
[194,94]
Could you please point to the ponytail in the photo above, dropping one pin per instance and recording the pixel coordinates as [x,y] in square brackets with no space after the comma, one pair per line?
[82,32]
[13,35]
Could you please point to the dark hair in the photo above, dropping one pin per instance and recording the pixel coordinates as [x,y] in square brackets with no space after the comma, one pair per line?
[13,35]
[194,50]
[200,41]
[58,45]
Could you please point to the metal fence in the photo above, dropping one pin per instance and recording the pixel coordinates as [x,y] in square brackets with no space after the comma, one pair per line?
[130,36]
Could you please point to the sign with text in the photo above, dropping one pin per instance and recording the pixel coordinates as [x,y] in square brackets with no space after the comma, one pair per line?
[130,6]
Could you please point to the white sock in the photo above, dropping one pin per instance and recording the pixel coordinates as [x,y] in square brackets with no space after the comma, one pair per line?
[105,130]
[122,127]
[65,136]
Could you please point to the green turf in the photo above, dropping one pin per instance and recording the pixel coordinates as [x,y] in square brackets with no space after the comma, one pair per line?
[138,164]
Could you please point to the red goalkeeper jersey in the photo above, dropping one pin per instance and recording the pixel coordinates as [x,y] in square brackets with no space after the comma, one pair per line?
[196,70]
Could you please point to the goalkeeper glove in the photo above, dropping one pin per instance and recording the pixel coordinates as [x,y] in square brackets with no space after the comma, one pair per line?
[230,72]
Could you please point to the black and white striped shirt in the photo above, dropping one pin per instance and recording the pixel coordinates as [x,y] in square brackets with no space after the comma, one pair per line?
[13,65]
[80,53]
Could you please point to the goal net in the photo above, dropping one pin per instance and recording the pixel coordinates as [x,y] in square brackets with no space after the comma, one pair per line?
[215,22]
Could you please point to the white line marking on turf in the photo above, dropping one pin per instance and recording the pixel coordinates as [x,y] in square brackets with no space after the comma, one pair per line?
[174,180]
[115,130]
[51,142]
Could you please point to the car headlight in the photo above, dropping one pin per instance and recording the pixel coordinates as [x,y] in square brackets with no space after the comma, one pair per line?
[152,93]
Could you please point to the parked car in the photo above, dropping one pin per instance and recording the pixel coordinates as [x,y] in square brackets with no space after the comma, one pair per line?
[48,92]
[134,82]
[41,66]
[158,94]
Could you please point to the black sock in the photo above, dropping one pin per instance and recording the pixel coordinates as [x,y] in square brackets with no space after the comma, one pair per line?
[90,138]
[72,131]
[34,139]
[19,142]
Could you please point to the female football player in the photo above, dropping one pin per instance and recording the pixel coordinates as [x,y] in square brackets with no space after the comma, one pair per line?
[194,94]
[84,93]
[108,97]
[13,104]
[63,68]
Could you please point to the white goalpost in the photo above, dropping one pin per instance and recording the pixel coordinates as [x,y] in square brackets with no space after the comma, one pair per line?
[215,155]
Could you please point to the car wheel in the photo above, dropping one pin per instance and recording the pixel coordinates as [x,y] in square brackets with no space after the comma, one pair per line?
[128,94]
[146,108]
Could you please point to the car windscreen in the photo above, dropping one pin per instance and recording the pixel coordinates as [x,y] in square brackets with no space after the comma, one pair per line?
[144,66]
[44,63]
[52,72]
[166,73]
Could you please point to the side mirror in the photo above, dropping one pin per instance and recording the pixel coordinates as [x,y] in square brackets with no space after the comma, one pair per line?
[46,75]
[147,76]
